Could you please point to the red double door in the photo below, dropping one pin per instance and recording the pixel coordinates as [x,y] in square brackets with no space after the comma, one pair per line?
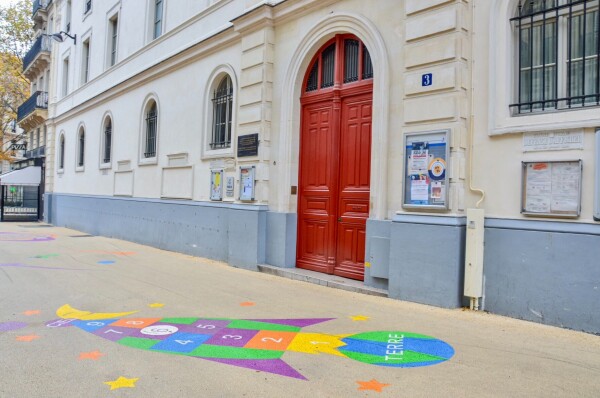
[334,186]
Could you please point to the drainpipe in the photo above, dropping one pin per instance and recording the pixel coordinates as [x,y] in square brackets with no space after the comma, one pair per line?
[475,216]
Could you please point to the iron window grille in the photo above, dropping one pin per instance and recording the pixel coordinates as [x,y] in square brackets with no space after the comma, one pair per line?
[151,127]
[80,158]
[357,64]
[558,51]
[61,157]
[222,114]
[107,141]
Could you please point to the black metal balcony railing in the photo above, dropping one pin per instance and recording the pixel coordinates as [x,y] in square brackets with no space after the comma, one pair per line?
[42,43]
[39,152]
[39,100]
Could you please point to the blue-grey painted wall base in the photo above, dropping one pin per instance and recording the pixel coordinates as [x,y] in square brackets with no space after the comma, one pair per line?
[427,259]
[219,231]
[544,271]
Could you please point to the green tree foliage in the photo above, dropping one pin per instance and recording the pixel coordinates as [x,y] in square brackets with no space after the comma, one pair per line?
[16,37]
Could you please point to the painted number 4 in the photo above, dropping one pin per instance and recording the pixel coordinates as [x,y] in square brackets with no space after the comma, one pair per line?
[427,80]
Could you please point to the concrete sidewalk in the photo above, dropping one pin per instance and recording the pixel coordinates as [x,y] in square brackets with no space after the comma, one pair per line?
[44,268]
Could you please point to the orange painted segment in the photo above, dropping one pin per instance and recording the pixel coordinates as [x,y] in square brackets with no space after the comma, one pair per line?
[271,340]
[135,323]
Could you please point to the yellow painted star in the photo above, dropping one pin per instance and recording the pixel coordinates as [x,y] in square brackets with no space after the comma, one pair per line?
[156,305]
[359,318]
[121,382]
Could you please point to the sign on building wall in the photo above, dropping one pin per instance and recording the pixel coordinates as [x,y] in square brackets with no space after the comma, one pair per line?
[247,145]
[553,141]
[229,187]
[426,170]
[247,176]
[552,188]
[216,185]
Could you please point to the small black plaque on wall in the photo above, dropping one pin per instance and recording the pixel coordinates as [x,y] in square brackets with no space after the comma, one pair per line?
[247,145]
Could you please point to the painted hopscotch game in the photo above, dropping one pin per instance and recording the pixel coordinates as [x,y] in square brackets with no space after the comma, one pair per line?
[257,344]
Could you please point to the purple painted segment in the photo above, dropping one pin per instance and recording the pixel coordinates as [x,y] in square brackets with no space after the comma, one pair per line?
[60,323]
[114,333]
[275,366]
[20,265]
[23,237]
[294,322]
[232,337]
[8,326]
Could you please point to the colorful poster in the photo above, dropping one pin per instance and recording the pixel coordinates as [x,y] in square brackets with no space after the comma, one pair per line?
[426,161]
[216,185]
[247,183]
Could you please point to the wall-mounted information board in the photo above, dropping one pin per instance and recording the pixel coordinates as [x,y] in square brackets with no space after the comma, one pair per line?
[216,185]
[552,189]
[426,170]
[247,177]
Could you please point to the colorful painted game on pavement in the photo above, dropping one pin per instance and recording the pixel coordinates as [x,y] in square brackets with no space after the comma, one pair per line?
[256,344]
[24,237]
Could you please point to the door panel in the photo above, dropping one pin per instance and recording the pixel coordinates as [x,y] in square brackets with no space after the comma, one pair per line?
[318,199]
[354,188]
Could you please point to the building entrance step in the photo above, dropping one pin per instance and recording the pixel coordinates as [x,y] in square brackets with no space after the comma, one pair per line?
[318,278]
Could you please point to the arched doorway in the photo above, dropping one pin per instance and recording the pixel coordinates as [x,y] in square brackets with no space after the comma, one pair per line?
[335,159]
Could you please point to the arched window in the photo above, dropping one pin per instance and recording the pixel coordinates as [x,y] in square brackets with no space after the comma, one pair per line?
[222,114]
[107,140]
[558,50]
[61,152]
[151,130]
[344,60]
[81,147]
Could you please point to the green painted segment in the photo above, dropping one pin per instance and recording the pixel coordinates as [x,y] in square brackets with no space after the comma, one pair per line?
[254,325]
[179,321]
[407,357]
[384,337]
[138,342]
[364,358]
[225,352]
[47,255]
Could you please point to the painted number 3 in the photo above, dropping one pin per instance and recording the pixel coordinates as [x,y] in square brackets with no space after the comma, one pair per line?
[232,336]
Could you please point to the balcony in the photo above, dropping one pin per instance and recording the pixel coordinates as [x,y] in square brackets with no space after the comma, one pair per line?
[37,58]
[34,111]
[39,152]
[39,13]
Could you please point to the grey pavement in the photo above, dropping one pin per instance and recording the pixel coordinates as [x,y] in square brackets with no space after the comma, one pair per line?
[494,356]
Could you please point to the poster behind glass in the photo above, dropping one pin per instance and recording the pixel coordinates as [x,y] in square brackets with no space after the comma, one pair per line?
[426,170]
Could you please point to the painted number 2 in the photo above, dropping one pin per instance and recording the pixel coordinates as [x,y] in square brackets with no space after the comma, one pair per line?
[274,340]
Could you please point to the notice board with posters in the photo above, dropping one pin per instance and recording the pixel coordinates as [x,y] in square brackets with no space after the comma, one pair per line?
[552,189]
[426,181]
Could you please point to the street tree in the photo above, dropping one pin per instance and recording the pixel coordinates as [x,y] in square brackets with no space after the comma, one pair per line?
[16,37]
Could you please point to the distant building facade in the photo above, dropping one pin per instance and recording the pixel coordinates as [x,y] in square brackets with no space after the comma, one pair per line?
[344,138]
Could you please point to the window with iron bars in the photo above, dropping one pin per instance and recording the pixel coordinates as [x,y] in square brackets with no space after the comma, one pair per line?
[80,157]
[558,50]
[222,114]
[107,141]
[151,130]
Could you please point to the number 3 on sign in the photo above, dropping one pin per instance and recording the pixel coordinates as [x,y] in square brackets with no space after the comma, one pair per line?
[427,79]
